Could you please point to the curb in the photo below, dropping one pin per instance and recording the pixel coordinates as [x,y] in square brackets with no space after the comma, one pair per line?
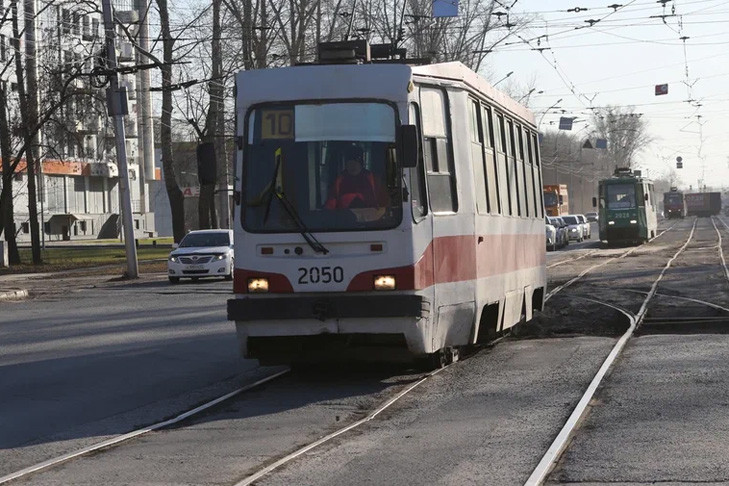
[13,294]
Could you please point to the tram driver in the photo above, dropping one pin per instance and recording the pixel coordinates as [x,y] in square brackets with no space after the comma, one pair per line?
[356,187]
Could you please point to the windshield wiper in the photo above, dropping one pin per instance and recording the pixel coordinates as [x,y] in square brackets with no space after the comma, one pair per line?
[315,244]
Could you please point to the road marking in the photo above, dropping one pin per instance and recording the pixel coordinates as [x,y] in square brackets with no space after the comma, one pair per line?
[136,433]
[559,444]
[258,475]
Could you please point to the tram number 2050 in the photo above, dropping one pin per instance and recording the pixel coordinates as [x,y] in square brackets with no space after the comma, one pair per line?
[314,275]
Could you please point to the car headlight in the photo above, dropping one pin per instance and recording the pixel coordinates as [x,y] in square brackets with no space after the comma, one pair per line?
[220,256]
[632,221]
[574,230]
[173,258]
[611,222]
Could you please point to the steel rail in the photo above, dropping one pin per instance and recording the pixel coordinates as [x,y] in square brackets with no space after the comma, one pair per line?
[677,297]
[560,288]
[721,249]
[135,433]
[560,442]
[303,450]
[570,260]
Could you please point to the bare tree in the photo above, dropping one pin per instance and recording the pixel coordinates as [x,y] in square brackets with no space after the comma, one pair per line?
[177,202]
[626,133]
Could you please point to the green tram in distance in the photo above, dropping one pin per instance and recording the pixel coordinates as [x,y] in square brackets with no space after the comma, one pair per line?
[627,207]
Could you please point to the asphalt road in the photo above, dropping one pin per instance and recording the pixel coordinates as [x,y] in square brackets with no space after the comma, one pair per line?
[83,360]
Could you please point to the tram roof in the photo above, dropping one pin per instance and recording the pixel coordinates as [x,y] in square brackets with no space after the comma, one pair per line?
[457,71]
[376,81]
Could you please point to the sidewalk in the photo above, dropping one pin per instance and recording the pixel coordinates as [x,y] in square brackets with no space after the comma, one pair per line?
[14,286]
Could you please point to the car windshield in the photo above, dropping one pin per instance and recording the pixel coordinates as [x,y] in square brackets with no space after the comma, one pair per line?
[197,240]
[325,167]
[620,196]
[570,219]
[550,199]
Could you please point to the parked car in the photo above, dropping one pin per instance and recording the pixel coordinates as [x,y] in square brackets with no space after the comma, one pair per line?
[561,227]
[575,230]
[551,235]
[202,253]
[586,228]
[592,217]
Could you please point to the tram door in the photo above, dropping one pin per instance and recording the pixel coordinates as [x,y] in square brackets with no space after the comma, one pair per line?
[453,249]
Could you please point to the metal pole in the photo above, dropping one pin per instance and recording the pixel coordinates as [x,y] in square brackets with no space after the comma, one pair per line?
[117,106]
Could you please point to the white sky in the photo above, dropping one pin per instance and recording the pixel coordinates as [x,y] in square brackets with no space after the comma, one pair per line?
[619,60]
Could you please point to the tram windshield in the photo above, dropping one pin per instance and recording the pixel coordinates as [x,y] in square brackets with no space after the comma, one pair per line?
[620,196]
[323,167]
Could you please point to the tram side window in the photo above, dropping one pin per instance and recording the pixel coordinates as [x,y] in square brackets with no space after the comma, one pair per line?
[537,174]
[514,172]
[437,151]
[533,171]
[477,157]
[418,198]
[491,161]
[504,187]
[525,172]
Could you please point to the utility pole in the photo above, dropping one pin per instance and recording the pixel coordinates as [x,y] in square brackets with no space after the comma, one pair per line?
[117,105]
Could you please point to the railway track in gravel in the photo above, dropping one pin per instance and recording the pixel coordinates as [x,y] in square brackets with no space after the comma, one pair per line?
[590,269]
[561,442]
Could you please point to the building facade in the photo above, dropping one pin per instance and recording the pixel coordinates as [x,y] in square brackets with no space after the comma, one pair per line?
[78,176]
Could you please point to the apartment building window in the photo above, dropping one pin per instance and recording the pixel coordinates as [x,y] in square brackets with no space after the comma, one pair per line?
[86,27]
[3,47]
[25,227]
[76,24]
[65,21]
[95,28]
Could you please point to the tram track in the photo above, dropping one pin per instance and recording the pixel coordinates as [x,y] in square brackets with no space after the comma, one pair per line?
[561,441]
[575,279]
[119,439]
[112,443]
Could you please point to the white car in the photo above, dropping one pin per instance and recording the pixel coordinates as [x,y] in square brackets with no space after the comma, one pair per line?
[575,230]
[586,228]
[551,235]
[202,253]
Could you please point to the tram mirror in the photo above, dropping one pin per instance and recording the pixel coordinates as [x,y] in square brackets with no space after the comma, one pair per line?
[594,202]
[409,145]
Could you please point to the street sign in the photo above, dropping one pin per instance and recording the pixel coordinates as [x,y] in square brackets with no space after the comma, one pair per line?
[565,123]
[661,89]
[445,8]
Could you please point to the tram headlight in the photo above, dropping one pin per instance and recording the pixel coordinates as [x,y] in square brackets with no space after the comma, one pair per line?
[384,282]
[611,222]
[632,221]
[257,285]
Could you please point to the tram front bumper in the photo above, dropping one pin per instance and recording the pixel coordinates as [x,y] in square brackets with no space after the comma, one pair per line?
[327,307]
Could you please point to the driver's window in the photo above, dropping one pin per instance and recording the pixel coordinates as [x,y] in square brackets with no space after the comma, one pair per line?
[417,174]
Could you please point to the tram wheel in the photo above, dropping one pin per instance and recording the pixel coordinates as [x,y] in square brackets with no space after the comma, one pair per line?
[432,361]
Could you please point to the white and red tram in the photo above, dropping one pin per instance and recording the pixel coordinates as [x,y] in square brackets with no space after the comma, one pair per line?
[443,244]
